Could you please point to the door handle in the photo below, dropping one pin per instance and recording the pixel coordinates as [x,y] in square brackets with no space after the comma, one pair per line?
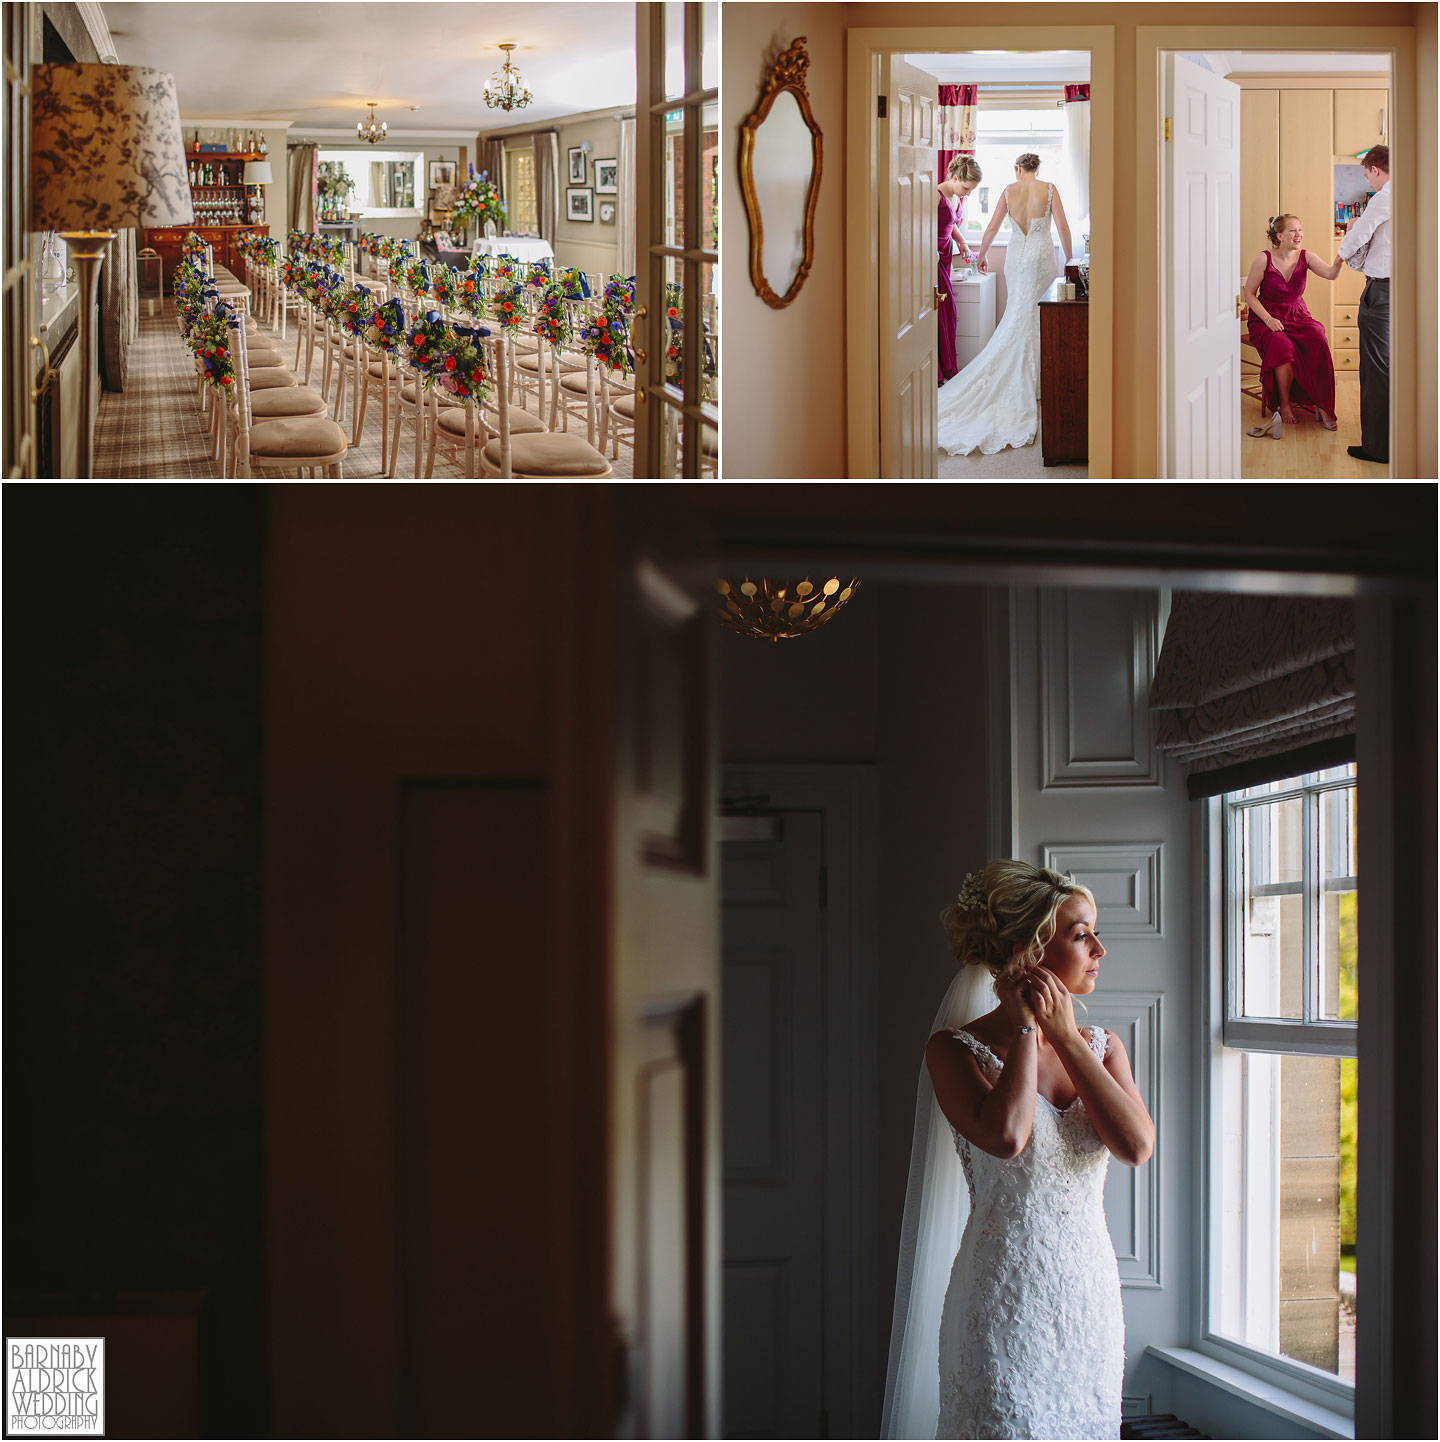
[939,297]
[39,390]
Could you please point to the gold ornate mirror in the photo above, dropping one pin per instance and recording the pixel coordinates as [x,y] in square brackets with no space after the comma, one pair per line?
[780,159]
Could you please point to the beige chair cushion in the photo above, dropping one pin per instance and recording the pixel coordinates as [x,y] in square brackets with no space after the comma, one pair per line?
[286,401]
[578,384]
[299,439]
[531,364]
[377,369]
[551,454]
[262,359]
[624,406]
[452,422]
[407,391]
[270,379]
[522,423]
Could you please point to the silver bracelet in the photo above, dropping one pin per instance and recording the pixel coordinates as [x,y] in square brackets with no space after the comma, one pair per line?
[1024,1029]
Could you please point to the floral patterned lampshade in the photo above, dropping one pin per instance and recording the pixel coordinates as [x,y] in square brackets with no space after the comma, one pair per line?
[107,152]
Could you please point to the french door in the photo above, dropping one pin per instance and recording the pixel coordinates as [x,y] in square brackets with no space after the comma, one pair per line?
[676,341]
[19,280]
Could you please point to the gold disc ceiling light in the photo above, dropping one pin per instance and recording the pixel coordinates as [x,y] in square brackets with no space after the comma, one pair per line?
[779,611]
[505,90]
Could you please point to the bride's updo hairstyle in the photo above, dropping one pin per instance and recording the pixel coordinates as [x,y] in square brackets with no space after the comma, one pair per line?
[1277,226]
[1009,904]
[1029,161]
[964,168]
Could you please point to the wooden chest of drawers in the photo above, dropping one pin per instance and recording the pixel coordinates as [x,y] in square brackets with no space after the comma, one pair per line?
[1064,378]
[169,242]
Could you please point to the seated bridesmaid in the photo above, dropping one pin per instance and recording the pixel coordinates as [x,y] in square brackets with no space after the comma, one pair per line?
[1296,367]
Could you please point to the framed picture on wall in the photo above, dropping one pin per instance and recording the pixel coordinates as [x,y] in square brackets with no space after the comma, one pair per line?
[579,204]
[442,173]
[577,165]
[607,177]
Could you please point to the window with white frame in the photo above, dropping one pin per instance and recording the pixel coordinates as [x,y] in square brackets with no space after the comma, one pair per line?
[1282,1242]
[1001,137]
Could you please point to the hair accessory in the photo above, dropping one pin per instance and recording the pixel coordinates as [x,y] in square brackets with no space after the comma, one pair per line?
[972,892]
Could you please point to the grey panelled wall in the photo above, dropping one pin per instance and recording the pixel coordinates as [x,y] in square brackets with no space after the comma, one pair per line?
[1092,795]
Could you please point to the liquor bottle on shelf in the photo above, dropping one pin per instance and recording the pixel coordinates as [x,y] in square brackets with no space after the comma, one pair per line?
[264,149]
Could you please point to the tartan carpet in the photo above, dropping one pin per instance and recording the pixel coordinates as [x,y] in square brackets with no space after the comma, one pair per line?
[154,429]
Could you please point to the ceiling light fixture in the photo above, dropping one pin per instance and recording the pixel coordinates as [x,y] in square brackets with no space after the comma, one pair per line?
[777,611]
[505,90]
[368,130]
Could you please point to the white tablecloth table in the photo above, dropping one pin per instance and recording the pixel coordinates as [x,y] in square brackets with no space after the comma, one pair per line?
[522,249]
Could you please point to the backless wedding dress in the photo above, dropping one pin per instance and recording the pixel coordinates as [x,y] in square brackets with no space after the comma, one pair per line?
[1032,1337]
[995,400]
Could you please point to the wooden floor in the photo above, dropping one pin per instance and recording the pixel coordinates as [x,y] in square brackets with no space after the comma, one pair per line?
[1307,451]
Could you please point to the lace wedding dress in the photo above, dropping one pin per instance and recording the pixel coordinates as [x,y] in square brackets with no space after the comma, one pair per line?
[995,401]
[1032,1337]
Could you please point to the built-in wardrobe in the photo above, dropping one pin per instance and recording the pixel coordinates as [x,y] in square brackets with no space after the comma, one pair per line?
[1300,136]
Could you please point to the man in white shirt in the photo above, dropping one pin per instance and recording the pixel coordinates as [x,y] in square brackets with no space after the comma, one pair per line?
[1367,248]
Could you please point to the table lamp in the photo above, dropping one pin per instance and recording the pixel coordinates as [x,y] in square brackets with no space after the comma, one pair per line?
[258,173]
[106,155]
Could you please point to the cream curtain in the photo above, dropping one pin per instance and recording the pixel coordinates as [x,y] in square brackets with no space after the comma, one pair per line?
[119,310]
[547,184]
[302,169]
[625,206]
[1075,160]
[1251,689]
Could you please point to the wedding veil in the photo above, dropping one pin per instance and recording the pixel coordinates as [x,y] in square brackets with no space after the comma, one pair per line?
[937,1202]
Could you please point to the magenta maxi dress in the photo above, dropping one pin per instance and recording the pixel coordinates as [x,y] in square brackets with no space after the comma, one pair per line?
[1303,343]
[945,311]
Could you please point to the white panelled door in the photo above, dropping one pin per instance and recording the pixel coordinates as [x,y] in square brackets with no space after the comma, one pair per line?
[1093,797]
[1201,280]
[909,340]
[774,1066]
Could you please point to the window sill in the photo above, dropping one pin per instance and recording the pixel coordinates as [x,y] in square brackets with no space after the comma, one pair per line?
[1321,1420]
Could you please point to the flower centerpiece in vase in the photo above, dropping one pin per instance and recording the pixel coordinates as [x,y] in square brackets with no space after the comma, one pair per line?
[478,199]
[335,187]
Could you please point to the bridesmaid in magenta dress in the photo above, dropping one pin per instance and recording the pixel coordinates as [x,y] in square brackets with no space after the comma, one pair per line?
[1296,367]
[962,175]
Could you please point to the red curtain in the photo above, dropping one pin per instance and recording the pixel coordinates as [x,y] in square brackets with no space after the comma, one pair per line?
[956,123]
[1076,92]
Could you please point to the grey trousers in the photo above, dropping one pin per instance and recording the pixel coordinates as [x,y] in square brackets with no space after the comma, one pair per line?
[1375,369]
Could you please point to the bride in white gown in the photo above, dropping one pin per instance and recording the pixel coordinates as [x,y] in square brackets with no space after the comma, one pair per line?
[1017,1116]
[994,401]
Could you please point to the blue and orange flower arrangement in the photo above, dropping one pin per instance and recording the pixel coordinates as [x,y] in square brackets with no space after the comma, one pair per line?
[607,337]
[574,283]
[210,340]
[552,320]
[425,346]
[352,308]
[507,304]
[507,268]
[385,328]
[537,274]
[462,366]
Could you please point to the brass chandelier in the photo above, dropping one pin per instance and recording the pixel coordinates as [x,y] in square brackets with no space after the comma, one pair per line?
[368,130]
[777,610]
[505,90]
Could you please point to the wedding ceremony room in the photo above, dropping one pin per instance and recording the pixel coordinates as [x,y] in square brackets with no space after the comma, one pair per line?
[1083,291]
[380,240]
